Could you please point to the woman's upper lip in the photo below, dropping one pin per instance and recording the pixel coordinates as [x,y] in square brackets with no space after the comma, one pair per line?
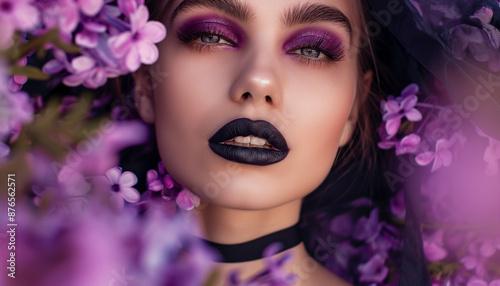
[246,127]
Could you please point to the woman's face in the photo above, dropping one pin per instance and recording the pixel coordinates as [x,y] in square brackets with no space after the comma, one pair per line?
[290,63]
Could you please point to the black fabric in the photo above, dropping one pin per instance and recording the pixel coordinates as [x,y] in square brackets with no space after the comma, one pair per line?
[253,250]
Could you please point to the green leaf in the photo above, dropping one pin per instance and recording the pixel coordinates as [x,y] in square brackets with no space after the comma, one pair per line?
[30,72]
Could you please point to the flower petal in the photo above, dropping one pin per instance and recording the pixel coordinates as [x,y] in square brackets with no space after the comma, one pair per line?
[392,126]
[139,18]
[425,159]
[86,39]
[184,202]
[127,179]
[133,60]
[131,195]
[127,6]
[52,67]
[91,7]
[409,102]
[413,115]
[120,44]
[82,63]
[148,52]
[154,31]
[114,174]
[411,89]
[187,200]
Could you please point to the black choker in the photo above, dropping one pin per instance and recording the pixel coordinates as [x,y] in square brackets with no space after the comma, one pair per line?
[253,249]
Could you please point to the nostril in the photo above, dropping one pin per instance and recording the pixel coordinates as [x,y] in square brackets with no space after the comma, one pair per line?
[269,99]
[246,95]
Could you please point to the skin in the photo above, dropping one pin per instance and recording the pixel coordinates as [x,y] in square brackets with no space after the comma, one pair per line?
[313,104]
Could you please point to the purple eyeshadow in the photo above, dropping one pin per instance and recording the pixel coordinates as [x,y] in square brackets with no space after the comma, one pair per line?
[202,25]
[328,43]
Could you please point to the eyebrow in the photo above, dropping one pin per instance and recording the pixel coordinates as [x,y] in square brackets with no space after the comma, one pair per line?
[300,14]
[232,8]
[312,13]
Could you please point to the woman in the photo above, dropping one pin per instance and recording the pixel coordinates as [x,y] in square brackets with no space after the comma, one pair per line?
[258,99]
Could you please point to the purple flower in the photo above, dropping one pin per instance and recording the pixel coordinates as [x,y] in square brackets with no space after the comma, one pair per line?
[86,71]
[129,6]
[88,37]
[482,40]
[374,270]
[394,109]
[367,228]
[137,46]
[433,246]
[187,200]
[15,110]
[16,15]
[398,207]
[492,153]
[89,7]
[408,145]
[121,186]
[155,183]
[441,157]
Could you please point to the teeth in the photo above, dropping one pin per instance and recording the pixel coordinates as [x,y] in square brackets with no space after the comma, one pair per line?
[249,141]
[257,141]
[243,140]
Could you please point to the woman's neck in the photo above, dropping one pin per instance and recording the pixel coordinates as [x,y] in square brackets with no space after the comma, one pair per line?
[230,226]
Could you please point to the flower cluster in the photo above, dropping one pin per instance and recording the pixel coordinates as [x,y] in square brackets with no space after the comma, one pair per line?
[113,40]
[467,34]
[405,129]
[359,245]
[460,230]
[160,183]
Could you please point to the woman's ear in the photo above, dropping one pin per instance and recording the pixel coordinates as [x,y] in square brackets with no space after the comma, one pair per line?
[361,98]
[143,95]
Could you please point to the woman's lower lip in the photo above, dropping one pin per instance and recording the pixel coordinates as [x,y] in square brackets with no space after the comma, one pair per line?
[248,155]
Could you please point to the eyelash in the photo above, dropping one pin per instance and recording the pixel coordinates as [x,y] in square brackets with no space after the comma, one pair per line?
[333,54]
[194,39]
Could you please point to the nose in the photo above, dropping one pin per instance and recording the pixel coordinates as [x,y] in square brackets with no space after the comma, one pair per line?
[258,81]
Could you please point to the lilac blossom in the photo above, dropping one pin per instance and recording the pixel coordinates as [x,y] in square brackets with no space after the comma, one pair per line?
[137,45]
[15,109]
[398,207]
[85,70]
[491,154]
[187,200]
[129,6]
[155,183]
[481,40]
[121,186]
[374,270]
[16,15]
[395,109]
[434,247]
[170,254]
[441,157]
[408,145]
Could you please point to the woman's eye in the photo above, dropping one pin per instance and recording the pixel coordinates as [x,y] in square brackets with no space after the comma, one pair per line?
[213,39]
[310,52]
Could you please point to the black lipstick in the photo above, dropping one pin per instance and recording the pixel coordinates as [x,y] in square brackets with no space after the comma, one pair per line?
[272,152]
